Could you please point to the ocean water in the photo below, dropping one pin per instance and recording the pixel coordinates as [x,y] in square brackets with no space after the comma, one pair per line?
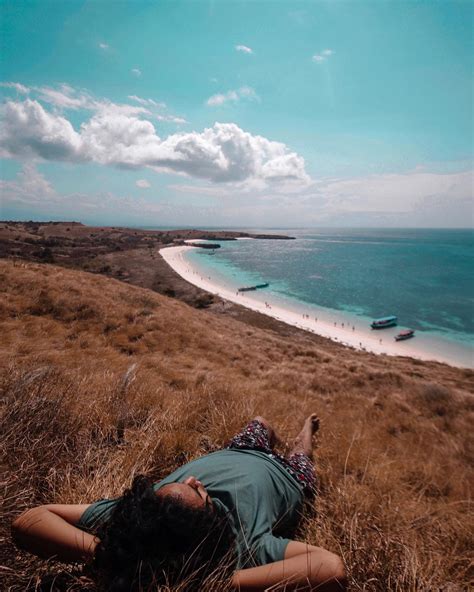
[425,277]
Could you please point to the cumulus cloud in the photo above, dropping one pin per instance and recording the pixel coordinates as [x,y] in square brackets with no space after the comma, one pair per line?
[28,130]
[233,96]
[136,72]
[223,153]
[64,97]
[143,184]
[243,48]
[322,56]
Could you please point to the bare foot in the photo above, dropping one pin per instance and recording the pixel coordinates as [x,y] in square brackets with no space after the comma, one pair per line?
[304,440]
[312,423]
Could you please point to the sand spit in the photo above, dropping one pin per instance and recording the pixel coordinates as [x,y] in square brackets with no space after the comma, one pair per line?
[360,339]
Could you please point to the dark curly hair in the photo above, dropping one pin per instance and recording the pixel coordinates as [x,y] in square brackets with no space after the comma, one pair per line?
[150,541]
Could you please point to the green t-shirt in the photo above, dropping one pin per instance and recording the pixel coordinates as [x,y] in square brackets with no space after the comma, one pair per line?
[261,496]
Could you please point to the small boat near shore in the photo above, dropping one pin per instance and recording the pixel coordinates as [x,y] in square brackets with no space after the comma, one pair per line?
[384,322]
[257,287]
[407,334]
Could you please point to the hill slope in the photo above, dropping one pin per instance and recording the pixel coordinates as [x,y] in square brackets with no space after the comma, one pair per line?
[101,380]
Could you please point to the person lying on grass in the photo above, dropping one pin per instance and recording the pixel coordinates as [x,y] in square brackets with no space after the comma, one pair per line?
[226,510]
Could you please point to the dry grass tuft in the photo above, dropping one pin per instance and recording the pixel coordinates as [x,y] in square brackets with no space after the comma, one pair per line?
[101,381]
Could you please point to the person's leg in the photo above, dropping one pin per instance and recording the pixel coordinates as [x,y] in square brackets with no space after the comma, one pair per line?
[304,440]
[300,460]
[273,436]
[258,434]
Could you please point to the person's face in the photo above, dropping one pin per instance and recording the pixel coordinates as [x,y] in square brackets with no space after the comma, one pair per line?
[191,492]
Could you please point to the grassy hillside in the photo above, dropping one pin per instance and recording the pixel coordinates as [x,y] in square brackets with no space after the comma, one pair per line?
[101,380]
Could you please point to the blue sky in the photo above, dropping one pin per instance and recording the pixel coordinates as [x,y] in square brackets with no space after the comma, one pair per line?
[237,113]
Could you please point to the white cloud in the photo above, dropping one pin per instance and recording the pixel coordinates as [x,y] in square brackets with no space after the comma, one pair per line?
[114,136]
[209,190]
[20,88]
[136,72]
[143,184]
[32,193]
[107,107]
[160,106]
[232,96]
[171,119]
[29,185]
[65,97]
[243,48]
[28,130]
[322,56]
[104,46]
[396,192]
[150,102]
[415,199]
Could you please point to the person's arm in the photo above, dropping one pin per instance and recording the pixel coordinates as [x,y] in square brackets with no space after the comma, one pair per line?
[50,531]
[304,567]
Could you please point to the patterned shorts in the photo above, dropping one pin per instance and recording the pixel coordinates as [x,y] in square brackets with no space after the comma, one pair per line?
[255,436]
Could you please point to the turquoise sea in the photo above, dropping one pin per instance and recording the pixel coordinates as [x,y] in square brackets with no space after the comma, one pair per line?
[425,277]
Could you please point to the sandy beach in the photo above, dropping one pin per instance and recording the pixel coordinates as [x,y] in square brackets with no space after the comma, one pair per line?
[357,337]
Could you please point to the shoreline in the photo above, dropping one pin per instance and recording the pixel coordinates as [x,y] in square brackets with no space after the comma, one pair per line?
[342,333]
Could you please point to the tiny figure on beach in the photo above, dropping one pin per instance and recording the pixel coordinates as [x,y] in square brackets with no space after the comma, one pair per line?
[353,328]
[335,323]
[214,515]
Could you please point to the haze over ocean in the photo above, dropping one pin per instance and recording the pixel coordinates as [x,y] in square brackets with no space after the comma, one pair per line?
[422,276]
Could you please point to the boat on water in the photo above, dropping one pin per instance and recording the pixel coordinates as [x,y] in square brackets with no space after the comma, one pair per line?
[407,334]
[384,322]
[257,287]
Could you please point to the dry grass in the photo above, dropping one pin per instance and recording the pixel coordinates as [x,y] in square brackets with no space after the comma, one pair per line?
[101,381]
